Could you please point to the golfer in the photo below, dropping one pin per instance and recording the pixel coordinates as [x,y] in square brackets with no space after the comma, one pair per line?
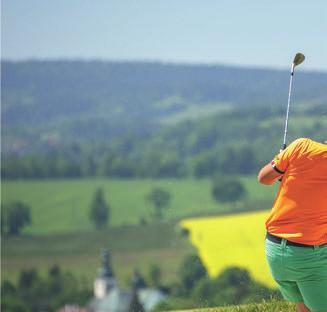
[296,241]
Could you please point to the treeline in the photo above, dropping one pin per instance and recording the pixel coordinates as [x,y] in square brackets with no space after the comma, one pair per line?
[156,165]
[193,288]
[234,142]
[34,292]
[196,289]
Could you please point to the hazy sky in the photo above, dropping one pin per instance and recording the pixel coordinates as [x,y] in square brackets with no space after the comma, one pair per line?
[240,32]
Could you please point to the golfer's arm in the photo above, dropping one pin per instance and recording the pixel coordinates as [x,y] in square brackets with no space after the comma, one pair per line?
[268,175]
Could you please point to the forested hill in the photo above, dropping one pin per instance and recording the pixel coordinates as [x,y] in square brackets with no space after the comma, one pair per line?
[103,100]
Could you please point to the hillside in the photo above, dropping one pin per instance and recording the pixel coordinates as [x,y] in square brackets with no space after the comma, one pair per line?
[234,141]
[65,101]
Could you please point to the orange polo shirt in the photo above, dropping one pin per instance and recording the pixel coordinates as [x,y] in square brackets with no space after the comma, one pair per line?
[299,212]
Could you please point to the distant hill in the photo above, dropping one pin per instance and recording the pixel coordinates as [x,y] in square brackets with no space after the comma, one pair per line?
[78,100]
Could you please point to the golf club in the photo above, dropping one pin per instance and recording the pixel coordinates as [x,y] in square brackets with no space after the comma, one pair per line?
[298,59]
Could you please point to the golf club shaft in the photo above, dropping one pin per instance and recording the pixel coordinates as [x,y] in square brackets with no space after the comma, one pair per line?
[288,107]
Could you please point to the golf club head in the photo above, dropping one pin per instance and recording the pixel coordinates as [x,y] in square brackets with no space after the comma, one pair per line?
[298,59]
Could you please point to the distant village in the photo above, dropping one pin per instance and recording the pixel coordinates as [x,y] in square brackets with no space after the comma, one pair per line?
[109,297]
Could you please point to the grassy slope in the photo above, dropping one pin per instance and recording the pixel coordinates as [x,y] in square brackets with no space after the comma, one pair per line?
[265,306]
[61,206]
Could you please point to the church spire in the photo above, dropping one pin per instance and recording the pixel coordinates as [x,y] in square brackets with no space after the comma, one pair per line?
[105,271]
[106,279]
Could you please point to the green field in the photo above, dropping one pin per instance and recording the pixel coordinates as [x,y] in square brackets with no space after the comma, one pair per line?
[62,206]
[62,234]
[132,247]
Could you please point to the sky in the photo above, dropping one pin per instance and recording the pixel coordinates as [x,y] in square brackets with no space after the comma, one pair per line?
[255,33]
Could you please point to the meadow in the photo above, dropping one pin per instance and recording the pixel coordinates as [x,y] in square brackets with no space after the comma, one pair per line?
[62,206]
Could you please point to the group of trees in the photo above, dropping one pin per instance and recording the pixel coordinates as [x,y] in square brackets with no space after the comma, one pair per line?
[217,144]
[232,160]
[49,292]
[196,289]
[193,288]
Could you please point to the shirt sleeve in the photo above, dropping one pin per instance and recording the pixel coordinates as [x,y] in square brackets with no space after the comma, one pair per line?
[282,160]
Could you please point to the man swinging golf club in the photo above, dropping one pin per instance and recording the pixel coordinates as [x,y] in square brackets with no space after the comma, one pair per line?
[296,240]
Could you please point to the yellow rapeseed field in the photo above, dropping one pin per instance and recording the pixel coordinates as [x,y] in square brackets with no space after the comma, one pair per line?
[233,240]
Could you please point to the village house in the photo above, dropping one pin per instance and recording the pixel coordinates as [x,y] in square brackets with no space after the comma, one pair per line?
[109,297]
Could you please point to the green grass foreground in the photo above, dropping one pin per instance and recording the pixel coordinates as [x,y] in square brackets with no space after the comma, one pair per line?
[62,206]
[265,306]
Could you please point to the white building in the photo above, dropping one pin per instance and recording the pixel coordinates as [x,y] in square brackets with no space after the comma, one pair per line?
[108,297]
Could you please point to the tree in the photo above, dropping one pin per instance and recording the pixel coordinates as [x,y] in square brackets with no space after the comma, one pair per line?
[36,292]
[27,278]
[155,275]
[135,305]
[234,284]
[99,211]
[191,272]
[14,217]
[138,281]
[160,199]
[227,189]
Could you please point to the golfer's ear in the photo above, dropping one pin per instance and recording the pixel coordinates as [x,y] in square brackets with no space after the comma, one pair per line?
[268,175]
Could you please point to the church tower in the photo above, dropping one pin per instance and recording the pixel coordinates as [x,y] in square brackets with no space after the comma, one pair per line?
[106,279]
